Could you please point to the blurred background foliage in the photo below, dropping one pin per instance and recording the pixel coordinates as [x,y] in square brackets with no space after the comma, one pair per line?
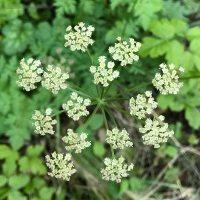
[169,31]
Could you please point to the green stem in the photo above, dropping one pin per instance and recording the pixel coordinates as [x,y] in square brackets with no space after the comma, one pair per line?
[59,112]
[106,124]
[116,99]
[57,132]
[110,84]
[130,90]
[102,91]
[89,56]
[120,110]
[91,63]
[98,92]
[111,116]
[89,118]
[79,90]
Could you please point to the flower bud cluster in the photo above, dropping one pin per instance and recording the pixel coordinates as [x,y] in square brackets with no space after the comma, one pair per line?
[124,52]
[43,124]
[115,169]
[168,82]
[75,142]
[104,74]
[118,139]
[80,38]
[54,79]
[76,107]
[29,74]
[143,104]
[61,166]
[156,132]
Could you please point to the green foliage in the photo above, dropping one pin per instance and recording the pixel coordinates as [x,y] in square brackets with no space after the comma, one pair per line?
[144,17]
[10,9]
[96,122]
[31,162]
[65,6]
[171,151]
[17,36]
[87,6]
[167,35]
[166,41]
[15,185]
[98,149]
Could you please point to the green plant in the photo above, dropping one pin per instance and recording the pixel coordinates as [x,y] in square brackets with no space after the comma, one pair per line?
[21,177]
[52,79]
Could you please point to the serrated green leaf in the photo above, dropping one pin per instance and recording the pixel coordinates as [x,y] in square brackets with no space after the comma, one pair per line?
[174,52]
[162,29]
[38,182]
[34,151]
[175,10]
[193,33]
[197,61]
[9,166]
[16,195]
[98,149]
[176,105]
[113,33]
[7,152]
[171,151]
[65,6]
[96,122]
[87,6]
[144,17]
[3,180]
[46,192]
[195,46]
[163,101]
[18,181]
[16,36]
[37,166]
[153,47]
[6,14]
[180,27]
[193,115]
[115,3]
[24,164]
[186,61]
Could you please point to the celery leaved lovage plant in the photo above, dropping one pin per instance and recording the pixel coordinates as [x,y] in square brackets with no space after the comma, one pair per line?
[154,131]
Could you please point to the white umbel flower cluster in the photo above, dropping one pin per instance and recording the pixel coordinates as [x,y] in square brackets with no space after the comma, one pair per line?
[144,104]
[61,166]
[29,74]
[118,139]
[156,132]
[54,79]
[75,142]
[43,123]
[124,52]
[104,74]
[168,82]
[80,38]
[115,169]
[76,107]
